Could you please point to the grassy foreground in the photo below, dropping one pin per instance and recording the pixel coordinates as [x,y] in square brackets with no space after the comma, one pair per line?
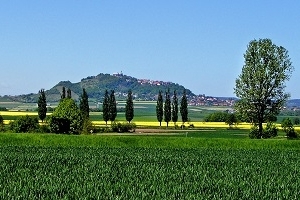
[47,166]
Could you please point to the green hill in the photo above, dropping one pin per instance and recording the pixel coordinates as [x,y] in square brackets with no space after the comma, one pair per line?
[143,89]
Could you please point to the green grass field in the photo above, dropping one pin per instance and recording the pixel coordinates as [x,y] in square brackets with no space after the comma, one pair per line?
[209,163]
[48,166]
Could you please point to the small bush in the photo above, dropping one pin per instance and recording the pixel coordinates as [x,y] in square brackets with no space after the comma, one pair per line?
[59,125]
[270,130]
[123,127]
[254,132]
[88,127]
[25,124]
[3,109]
[288,128]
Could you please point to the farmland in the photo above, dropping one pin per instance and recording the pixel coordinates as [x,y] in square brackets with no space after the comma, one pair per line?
[206,162]
[46,166]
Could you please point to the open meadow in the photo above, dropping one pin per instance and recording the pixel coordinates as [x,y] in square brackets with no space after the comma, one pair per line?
[205,162]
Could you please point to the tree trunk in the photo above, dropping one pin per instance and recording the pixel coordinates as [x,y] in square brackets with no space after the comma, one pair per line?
[260,129]
[260,124]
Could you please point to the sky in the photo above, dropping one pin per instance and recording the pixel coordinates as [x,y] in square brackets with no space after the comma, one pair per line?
[197,43]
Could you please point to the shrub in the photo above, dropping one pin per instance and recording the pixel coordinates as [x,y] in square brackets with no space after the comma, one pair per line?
[25,124]
[231,119]
[44,129]
[254,132]
[270,130]
[123,127]
[288,128]
[66,112]
[59,125]
[88,127]
[3,109]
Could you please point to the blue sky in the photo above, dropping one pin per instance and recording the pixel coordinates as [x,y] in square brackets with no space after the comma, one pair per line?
[198,44]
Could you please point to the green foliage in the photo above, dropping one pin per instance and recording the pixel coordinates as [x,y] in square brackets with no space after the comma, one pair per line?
[63,93]
[59,124]
[270,130]
[288,128]
[175,108]
[217,117]
[296,121]
[69,93]
[129,110]
[112,106]
[254,133]
[105,107]
[260,86]
[184,107]
[123,127]
[66,113]
[88,127]
[3,109]
[42,105]
[25,124]
[231,119]
[159,108]
[84,104]
[1,123]
[167,108]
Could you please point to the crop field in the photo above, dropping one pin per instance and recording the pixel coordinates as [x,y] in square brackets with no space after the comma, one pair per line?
[205,162]
[46,166]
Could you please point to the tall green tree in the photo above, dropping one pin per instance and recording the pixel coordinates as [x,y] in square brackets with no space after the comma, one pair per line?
[63,93]
[69,93]
[260,86]
[112,106]
[129,110]
[105,107]
[175,108]
[167,108]
[42,105]
[84,104]
[184,107]
[160,107]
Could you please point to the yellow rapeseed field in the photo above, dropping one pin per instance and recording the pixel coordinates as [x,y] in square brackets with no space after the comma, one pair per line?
[19,113]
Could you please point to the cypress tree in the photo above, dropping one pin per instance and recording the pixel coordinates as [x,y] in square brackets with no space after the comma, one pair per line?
[184,108]
[42,105]
[112,106]
[159,108]
[63,93]
[167,108]
[105,107]
[175,108]
[69,93]
[129,110]
[84,105]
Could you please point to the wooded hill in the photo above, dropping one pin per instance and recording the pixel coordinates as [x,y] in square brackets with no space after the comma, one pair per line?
[142,89]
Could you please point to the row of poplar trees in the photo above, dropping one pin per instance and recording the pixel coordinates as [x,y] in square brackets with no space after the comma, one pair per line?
[109,107]
[169,110]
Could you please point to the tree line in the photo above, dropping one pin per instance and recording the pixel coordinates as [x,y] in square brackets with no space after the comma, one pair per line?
[168,110]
